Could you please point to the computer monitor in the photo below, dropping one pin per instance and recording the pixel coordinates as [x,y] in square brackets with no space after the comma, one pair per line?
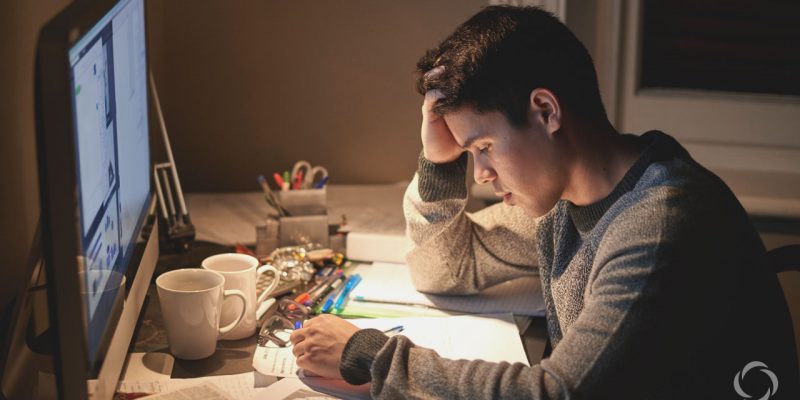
[98,248]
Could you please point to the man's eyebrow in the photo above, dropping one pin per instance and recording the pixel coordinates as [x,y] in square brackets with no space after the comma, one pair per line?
[468,143]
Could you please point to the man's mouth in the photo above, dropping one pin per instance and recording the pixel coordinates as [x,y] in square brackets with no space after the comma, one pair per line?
[505,195]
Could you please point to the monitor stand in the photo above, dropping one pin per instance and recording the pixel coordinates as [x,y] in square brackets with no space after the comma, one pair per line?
[26,363]
[148,367]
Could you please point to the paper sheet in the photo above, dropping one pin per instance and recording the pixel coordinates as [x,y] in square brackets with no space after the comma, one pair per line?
[314,388]
[391,283]
[490,337]
[203,391]
[273,360]
[452,337]
[238,386]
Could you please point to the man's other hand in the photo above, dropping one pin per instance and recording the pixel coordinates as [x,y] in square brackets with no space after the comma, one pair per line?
[319,344]
[438,144]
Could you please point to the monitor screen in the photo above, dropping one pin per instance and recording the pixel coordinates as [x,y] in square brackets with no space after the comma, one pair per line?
[108,72]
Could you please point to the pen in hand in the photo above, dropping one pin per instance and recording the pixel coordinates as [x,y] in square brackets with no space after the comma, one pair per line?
[394,331]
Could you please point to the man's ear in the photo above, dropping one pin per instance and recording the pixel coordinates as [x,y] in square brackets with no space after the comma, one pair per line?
[545,110]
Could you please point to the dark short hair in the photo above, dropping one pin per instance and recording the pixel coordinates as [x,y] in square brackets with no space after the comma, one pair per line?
[496,58]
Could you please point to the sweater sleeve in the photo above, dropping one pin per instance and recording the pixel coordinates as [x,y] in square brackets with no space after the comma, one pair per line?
[455,252]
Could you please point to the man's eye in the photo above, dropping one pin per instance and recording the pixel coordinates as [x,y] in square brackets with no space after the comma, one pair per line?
[483,149]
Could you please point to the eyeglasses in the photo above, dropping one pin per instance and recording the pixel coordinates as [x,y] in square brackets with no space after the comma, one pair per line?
[279,326]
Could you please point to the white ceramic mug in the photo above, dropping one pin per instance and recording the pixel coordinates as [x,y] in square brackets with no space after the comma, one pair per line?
[241,272]
[191,302]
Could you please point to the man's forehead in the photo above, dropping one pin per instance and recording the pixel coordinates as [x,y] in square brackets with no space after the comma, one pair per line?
[469,126]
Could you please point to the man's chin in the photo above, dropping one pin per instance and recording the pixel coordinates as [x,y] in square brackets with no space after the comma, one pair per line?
[534,210]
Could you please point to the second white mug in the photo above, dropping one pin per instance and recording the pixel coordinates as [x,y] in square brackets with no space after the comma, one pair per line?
[241,272]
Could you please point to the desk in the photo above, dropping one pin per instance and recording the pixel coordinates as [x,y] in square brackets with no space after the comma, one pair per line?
[236,356]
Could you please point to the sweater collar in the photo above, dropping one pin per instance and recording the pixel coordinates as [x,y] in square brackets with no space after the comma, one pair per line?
[656,146]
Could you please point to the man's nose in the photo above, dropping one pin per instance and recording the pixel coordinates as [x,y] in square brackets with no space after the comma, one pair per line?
[484,173]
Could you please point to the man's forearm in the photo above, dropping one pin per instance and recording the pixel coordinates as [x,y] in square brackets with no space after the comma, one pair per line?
[457,252]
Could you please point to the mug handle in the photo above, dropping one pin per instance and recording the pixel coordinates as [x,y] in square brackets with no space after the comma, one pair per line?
[272,286]
[238,293]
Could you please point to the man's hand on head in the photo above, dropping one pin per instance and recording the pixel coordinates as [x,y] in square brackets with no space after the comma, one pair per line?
[438,144]
[319,344]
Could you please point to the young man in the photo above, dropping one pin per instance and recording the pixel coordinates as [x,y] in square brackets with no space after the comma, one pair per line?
[652,272]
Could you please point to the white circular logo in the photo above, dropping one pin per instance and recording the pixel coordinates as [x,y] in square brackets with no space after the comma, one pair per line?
[761,367]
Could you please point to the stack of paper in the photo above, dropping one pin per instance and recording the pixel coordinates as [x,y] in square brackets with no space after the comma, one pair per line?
[391,283]
[377,247]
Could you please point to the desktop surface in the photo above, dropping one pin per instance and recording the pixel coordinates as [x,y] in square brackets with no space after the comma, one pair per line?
[236,356]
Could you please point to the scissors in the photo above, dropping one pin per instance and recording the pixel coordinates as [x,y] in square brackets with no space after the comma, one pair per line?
[304,175]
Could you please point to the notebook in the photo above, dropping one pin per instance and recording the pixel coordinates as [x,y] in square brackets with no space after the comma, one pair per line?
[391,283]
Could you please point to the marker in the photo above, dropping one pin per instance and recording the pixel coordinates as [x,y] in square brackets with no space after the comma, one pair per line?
[322,182]
[302,298]
[286,181]
[278,180]
[298,180]
[348,287]
[337,288]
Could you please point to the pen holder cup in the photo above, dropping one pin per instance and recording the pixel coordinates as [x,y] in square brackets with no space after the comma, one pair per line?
[304,202]
[308,220]
[267,235]
[304,229]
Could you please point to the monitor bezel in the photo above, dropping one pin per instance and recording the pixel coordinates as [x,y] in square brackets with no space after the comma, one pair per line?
[61,241]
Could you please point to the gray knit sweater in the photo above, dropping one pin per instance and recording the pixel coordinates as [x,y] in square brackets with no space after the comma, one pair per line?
[656,291]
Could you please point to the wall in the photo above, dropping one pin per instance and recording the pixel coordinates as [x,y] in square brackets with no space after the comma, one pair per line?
[20,21]
[249,87]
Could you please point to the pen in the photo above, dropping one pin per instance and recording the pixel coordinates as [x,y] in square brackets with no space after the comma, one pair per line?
[305,296]
[327,281]
[351,283]
[324,290]
[314,291]
[394,331]
[271,197]
[322,182]
[286,181]
[337,288]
